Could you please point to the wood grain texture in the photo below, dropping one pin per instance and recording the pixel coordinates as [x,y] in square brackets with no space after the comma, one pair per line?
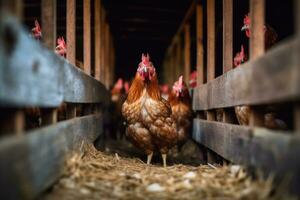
[34,161]
[58,81]
[187,52]
[269,79]
[49,23]
[71,31]
[269,151]
[257,39]
[87,36]
[97,11]
[211,40]
[200,50]
[227,35]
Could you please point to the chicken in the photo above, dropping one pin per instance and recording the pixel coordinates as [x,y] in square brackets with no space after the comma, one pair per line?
[180,101]
[193,79]
[36,30]
[270,34]
[61,48]
[164,91]
[240,58]
[148,115]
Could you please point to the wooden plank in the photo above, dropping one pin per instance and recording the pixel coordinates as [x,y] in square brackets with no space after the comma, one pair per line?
[188,15]
[49,116]
[227,35]
[257,39]
[269,151]
[71,31]
[14,7]
[97,39]
[34,161]
[297,118]
[211,40]
[200,51]
[106,56]
[71,111]
[102,45]
[187,52]
[49,23]
[87,36]
[58,80]
[261,81]
[178,58]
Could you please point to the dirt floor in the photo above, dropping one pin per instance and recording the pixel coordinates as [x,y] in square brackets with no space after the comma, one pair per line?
[117,172]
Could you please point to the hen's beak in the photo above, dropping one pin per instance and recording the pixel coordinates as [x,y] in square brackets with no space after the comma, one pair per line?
[245,27]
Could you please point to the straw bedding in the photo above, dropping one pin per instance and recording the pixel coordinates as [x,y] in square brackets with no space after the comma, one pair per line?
[93,174]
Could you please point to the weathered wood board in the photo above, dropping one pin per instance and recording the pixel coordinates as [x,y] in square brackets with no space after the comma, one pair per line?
[31,75]
[271,151]
[32,162]
[269,79]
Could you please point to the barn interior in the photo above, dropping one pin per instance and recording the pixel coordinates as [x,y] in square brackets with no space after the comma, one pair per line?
[60,120]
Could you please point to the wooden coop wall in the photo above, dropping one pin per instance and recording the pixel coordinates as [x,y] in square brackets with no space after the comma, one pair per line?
[72,102]
[266,79]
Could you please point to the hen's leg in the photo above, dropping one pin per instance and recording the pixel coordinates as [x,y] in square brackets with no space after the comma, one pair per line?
[149,158]
[164,157]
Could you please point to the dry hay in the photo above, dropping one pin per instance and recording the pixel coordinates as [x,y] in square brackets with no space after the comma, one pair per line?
[97,175]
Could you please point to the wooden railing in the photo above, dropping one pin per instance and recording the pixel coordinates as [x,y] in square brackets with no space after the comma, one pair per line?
[33,76]
[267,79]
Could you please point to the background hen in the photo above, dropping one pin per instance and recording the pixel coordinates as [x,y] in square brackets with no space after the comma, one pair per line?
[148,115]
[180,101]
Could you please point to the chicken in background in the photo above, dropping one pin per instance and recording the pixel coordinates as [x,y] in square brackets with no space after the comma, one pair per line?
[193,79]
[148,115]
[271,36]
[180,101]
[36,31]
[164,91]
[61,48]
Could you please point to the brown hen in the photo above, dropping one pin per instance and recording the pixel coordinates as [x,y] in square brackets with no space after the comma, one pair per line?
[149,123]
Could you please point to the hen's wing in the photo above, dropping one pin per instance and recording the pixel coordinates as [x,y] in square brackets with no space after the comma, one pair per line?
[162,127]
[131,112]
[140,137]
[243,114]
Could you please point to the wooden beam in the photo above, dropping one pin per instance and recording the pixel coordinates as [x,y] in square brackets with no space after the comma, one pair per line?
[49,116]
[211,40]
[297,118]
[71,31]
[14,7]
[200,51]
[49,23]
[257,39]
[247,85]
[71,111]
[34,161]
[97,39]
[58,80]
[227,35]
[185,20]
[187,52]
[87,36]
[178,56]
[106,55]
[272,152]
[102,45]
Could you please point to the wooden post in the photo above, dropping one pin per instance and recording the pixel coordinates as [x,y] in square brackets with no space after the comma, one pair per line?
[227,34]
[200,63]
[15,7]
[49,23]
[71,31]
[18,122]
[257,39]
[178,57]
[257,48]
[49,116]
[187,52]
[106,55]
[211,40]
[87,36]
[297,118]
[97,38]
[173,65]
[102,46]
[71,111]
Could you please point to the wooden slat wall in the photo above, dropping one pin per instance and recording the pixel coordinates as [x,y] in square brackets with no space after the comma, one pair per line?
[211,40]
[71,31]
[187,52]
[97,39]
[199,40]
[87,36]
[227,34]
[49,23]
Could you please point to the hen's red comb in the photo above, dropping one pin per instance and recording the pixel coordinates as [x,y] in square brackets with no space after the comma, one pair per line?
[61,42]
[145,58]
[247,19]
[180,80]
[37,25]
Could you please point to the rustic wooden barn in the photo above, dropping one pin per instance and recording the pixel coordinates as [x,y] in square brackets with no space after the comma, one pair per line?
[105,40]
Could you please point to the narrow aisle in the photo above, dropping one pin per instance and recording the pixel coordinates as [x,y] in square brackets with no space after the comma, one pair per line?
[103,175]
